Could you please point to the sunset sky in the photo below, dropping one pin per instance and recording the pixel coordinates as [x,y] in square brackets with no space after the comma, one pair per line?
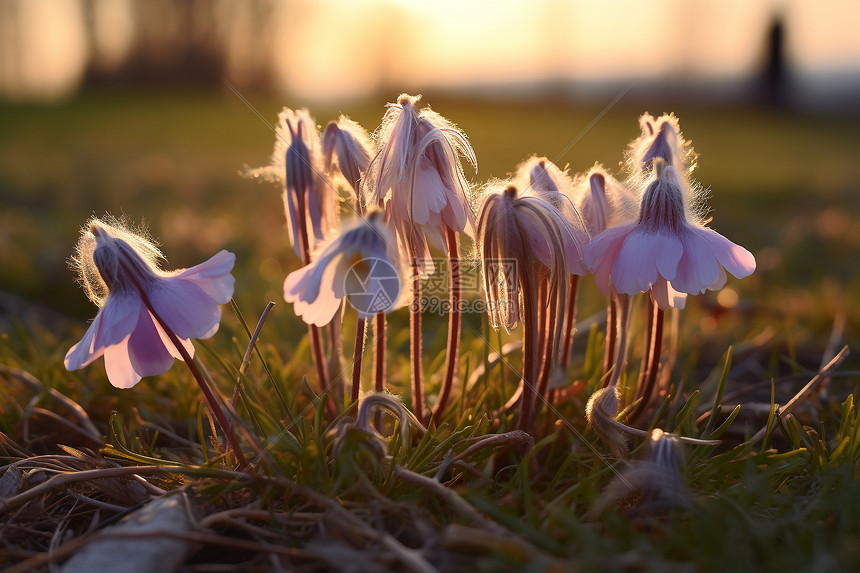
[343,49]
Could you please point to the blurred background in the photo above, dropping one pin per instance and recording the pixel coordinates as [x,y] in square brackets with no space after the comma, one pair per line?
[802,52]
[155,108]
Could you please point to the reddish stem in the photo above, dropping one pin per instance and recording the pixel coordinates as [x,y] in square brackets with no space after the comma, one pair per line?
[358,353]
[415,344]
[646,345]
[530,349]
[334,334]
[379,357]
[379,363]
[548,337]
[570,320]
[452,356]
[623,304]
[655,350]
[208,395]
[611,333]
[313,330]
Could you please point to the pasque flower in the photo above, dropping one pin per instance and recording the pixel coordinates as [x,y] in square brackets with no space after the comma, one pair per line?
[661,139]
[348,149]
[417,176]
[540,177]
[522,230]
[663,250]
[358,262]
[543,179]
[526,246]
[119,270]
[297,161]
[602,200]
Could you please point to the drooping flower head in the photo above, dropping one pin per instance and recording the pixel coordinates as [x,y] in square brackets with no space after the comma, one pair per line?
[417,177]
[664,250]
[540,177]
[528,251]
[348,149]
[541,174]
[120,273]
[603,200]
[519,239]
[656,476]
[297,161]
[361,263]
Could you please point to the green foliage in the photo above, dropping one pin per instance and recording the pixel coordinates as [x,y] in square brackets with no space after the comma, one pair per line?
[328,485]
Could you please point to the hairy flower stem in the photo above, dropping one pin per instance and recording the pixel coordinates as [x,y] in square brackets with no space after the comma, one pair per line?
[530,350]
[379,362]
[415,344]
[313,330]
[208,394]
[452,355]
[358,353]
[570,320]
[548,326]
[379,354]
[623,305]
[335,339]
[646,383]
[646,345]
[611,332]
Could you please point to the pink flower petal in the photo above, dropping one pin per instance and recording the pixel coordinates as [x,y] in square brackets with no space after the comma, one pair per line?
[147,351]
[427,195]
[720,282]
[114,322]
[185,308]
[537,242]
[736,259]
[601,252]
[660,293]
[642,258]
[698,267]
[119,317]
[120,372]
[573,239]
[298,284]
[213,276]
[83,353]
[320,309]
[666,296]
[455,216]
[168,344]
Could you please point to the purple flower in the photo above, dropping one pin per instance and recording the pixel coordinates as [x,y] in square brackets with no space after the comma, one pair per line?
[417,177]
[603,200]
[357,263]
[348,150]
[660,141]
[297,161]
[120,273]
[529,231]
[542,179]
[663,250]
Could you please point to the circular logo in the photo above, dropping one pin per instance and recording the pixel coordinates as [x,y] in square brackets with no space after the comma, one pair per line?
[372,286]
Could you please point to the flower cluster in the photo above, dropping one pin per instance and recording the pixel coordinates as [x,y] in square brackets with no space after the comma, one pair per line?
[535,235]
